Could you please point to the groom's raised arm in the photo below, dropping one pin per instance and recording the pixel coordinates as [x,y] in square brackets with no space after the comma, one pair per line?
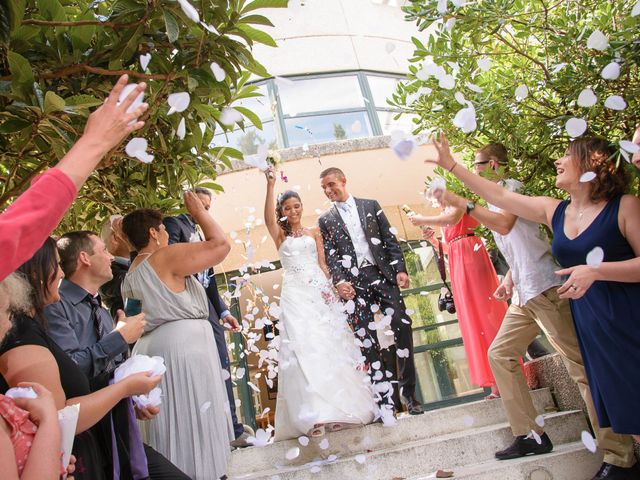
[335,268]
[390,243]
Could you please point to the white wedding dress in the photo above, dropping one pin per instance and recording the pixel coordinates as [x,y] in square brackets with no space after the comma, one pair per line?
[318,382]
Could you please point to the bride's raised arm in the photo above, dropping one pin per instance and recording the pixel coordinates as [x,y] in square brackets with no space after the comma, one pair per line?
[270,219]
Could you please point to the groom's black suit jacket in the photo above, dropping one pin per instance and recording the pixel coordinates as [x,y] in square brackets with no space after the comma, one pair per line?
[385,248]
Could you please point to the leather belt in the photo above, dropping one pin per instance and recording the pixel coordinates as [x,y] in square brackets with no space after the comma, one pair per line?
[460,237]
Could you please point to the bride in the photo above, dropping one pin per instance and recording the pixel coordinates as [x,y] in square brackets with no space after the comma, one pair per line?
[320,387]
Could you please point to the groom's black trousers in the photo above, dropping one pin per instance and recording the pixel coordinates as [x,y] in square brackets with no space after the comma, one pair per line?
[371,286]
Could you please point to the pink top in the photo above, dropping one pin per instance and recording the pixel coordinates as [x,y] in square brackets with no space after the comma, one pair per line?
[26,223]
[23,430]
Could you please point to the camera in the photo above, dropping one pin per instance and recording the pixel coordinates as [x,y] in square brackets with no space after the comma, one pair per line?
[445,301]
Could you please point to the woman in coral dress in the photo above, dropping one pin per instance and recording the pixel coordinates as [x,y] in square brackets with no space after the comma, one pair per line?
[473,281]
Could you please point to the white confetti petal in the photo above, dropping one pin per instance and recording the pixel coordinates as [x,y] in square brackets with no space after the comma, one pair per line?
[447,82]
[442,7]
[350,306]
[189,10]
[375,241]
[630,147]
[589,442]
[229,116]
[389,47]
[125,93]
[598,41]
[403,352]
[292,453]
[360,458]
[136,145]
[473,87]
[468,420]
[324,444]
[144,60]
[595,257]
[576,127]
[587,98]
[536,437]
[484,63]
[403,148]
[540,421]
[611,71]
[393,230]
[465,119]
[182,129]
[587,177]
[178,102]
[522,92]
[636,9]
[218,72]
[205,406]
[304,441]
[615,102]
[239,372]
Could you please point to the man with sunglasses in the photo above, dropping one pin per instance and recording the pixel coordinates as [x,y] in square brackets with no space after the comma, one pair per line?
[532,284]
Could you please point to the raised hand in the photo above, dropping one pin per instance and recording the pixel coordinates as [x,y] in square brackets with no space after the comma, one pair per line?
[194,205]
[270,173]
[110,124]
[444,158]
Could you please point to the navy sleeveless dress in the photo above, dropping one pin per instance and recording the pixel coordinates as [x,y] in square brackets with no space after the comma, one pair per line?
[607,320]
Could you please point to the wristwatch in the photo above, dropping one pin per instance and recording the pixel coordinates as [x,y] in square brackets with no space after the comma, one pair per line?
[470,206]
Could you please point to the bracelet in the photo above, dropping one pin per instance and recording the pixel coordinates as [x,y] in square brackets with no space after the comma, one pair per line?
[455,164]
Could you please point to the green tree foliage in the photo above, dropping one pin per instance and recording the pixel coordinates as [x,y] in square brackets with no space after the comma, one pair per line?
[59,58]
[491,48]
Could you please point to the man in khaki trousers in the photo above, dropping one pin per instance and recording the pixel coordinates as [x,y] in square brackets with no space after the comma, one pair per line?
[535,305]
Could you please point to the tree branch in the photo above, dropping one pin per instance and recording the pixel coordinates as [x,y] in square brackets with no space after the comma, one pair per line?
[524,54]
[82,67]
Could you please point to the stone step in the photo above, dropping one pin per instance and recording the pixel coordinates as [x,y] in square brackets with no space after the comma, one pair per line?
[571,461]
[406,459]
[375,437]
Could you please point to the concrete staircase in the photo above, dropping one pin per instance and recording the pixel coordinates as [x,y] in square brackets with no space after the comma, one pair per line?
[462,439]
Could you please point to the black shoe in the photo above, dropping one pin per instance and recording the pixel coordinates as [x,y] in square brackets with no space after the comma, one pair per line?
[523,445]
[414,407]
[613,472]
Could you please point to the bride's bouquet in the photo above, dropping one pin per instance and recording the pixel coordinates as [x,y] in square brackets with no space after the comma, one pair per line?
[265,160]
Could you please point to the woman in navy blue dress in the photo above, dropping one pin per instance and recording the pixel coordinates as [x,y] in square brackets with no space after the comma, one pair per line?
[604,297]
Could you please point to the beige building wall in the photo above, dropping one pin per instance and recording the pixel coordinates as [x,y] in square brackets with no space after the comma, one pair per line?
[375,173]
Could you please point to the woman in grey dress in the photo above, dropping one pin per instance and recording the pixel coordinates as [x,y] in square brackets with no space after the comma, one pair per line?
[193,428]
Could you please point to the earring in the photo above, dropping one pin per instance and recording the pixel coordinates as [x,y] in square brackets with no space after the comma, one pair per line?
[157,242]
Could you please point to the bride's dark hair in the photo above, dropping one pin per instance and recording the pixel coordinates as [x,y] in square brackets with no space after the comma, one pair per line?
[282,221]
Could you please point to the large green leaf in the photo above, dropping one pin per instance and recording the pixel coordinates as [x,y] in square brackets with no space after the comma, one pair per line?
[21,74]
[257,4]
[16,9]
[258,35]
[53,103]
[14,125]
[171,26]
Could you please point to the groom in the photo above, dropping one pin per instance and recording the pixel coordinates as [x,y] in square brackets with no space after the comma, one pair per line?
[367,267]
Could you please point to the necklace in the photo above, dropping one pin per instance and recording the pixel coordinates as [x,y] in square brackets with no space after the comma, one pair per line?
[297,233]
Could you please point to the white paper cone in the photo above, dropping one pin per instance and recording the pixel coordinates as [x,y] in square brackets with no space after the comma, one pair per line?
[68,420]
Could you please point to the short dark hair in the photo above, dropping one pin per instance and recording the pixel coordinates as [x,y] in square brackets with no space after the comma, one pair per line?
[596,155]
[332,171]
[494,151]
[69,247]
[136,226]
[203,191]
[39,270]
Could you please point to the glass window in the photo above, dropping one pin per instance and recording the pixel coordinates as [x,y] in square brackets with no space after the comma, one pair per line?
[327,128]
[249,140]
[381,89]
[320,95]
[389,124]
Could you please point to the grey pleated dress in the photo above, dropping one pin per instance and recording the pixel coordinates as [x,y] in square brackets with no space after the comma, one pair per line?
[193,428]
